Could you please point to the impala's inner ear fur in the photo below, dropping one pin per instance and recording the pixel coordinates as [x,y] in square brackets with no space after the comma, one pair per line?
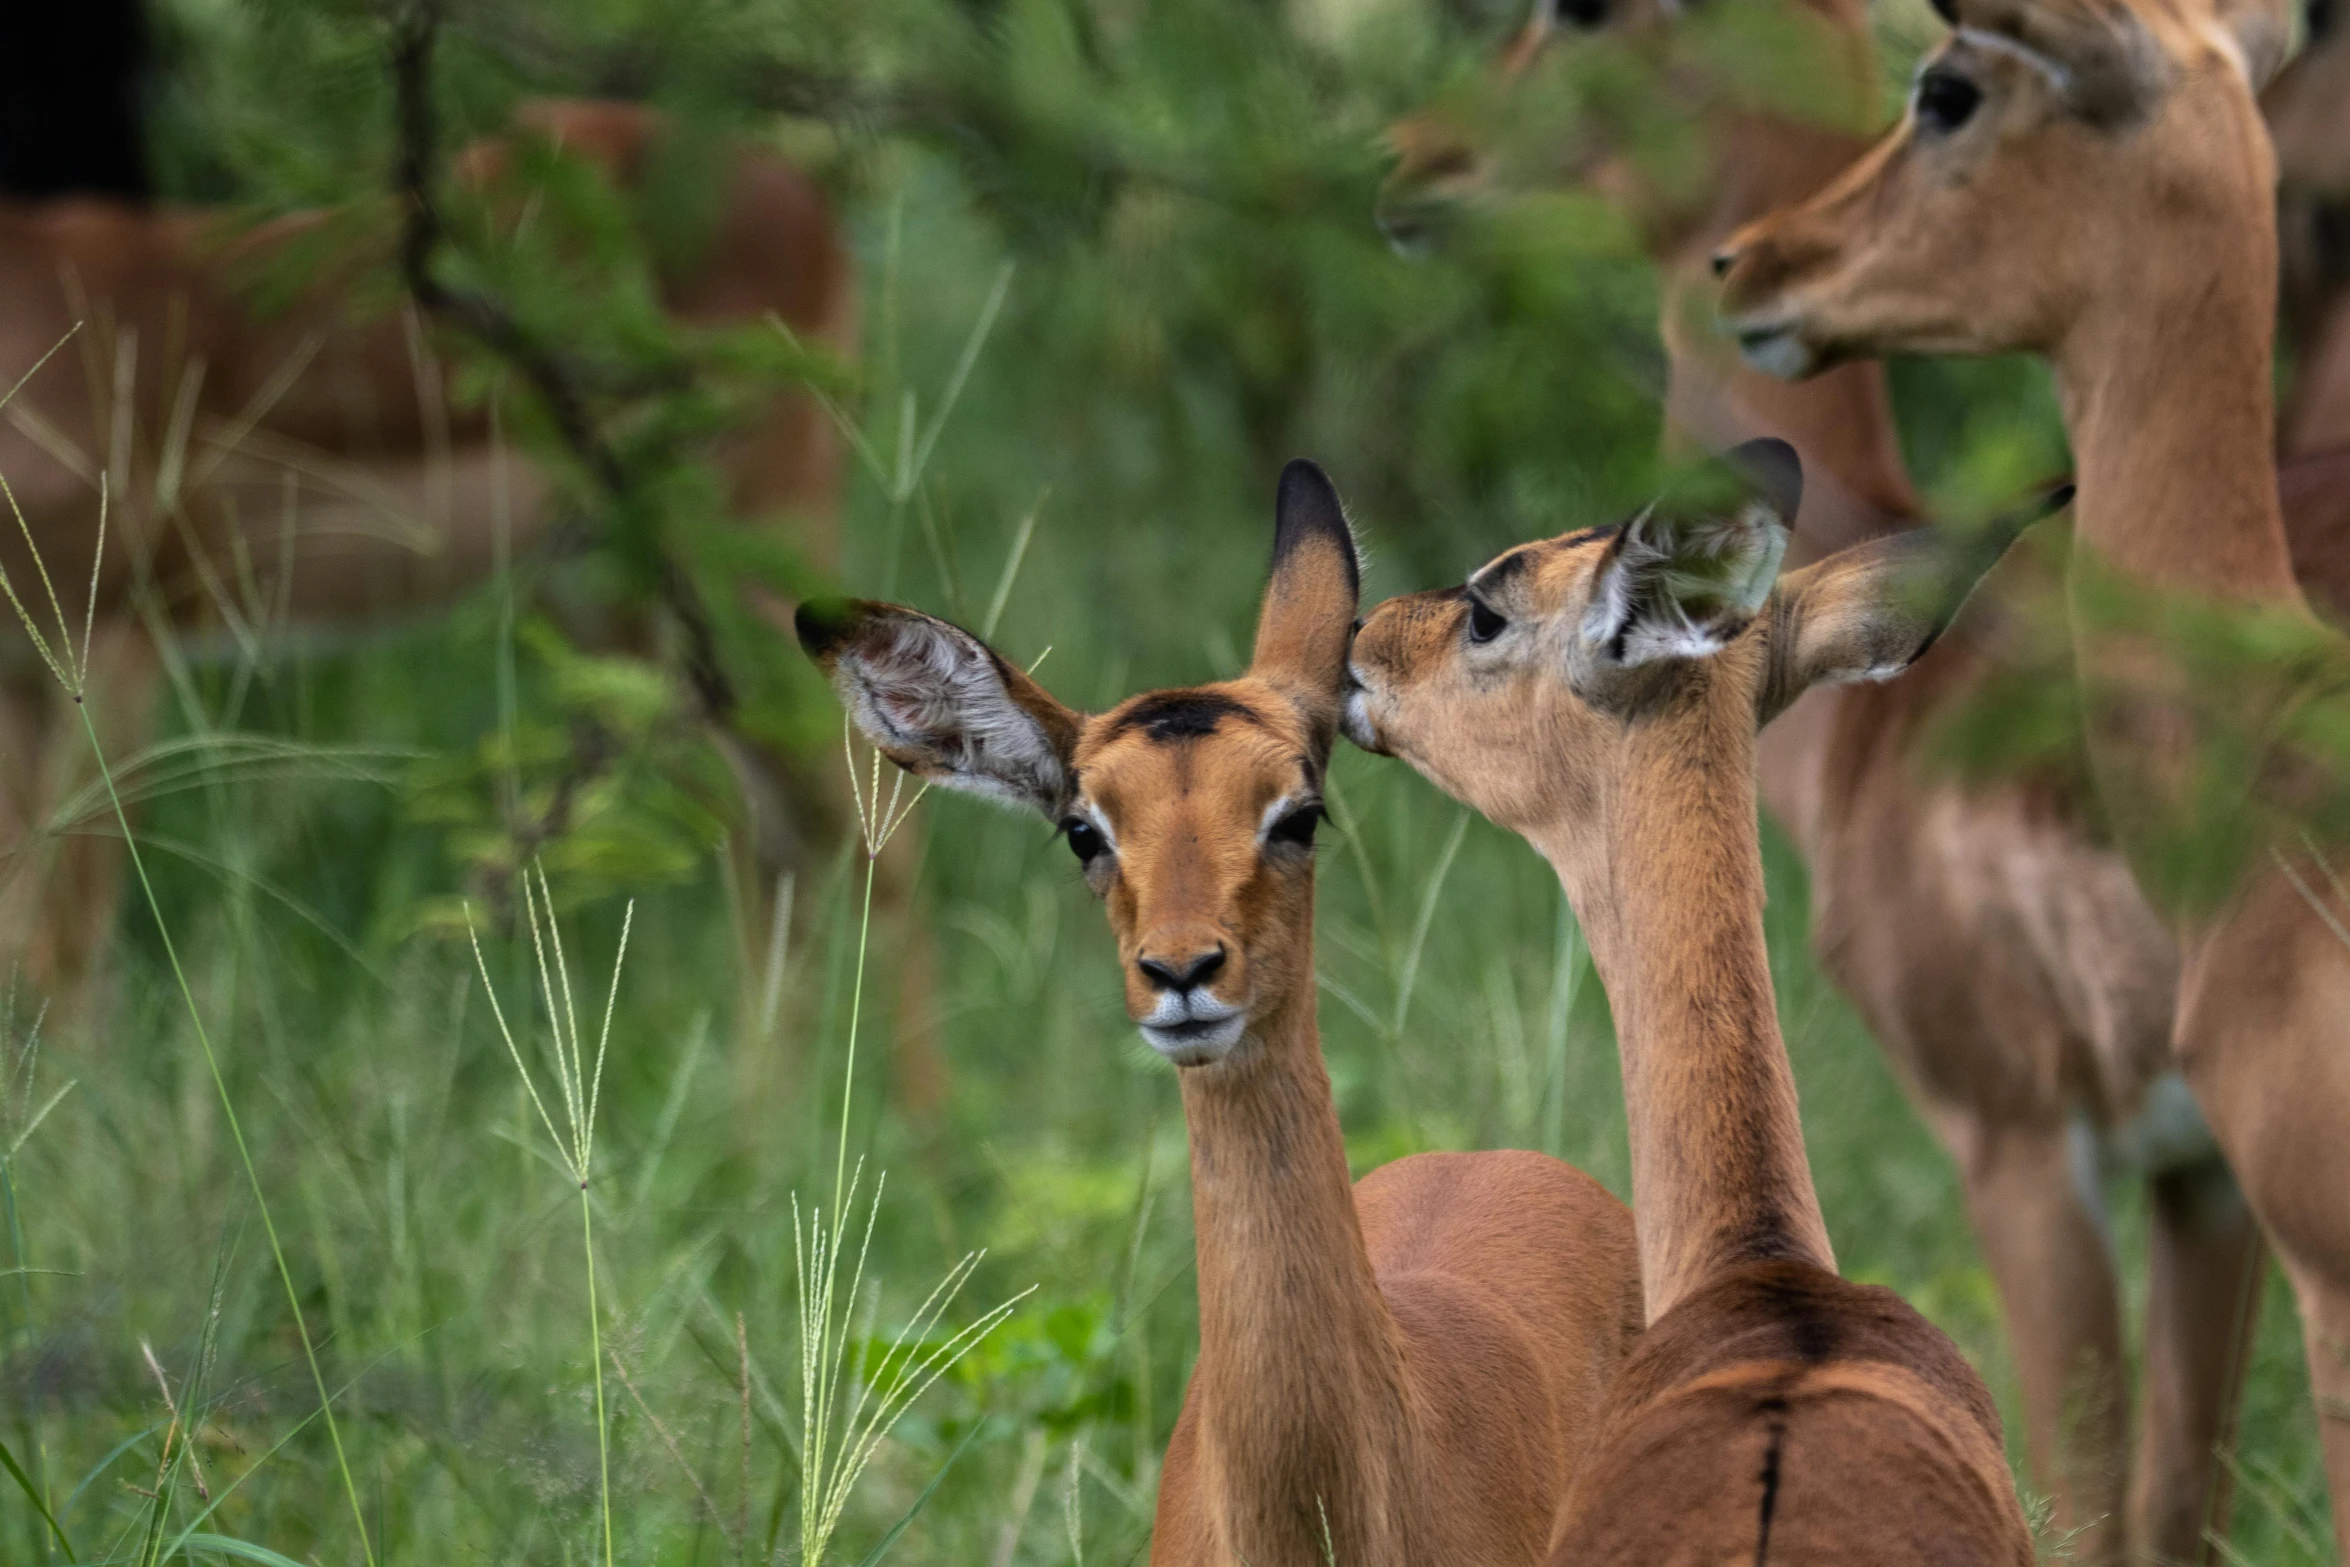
[1682,580]
[937,701]
[1869,612]
[1309,610]
[2263,31]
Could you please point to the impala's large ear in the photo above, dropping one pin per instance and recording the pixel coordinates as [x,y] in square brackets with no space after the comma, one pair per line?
[938,702]
[1869,612]
[1309,613]
[2098,53]
[1682,579]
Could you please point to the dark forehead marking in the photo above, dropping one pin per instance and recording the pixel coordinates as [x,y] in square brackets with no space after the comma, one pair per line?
[1495,573]
[1182,715]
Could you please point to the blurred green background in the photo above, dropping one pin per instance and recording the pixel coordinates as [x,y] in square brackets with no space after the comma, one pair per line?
[1115,265]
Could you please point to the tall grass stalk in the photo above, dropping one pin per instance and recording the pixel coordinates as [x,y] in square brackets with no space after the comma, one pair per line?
[841,1430]
[582,1087]
[71,666]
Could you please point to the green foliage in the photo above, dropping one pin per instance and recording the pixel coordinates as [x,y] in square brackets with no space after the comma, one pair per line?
[601,776]
[1116,264]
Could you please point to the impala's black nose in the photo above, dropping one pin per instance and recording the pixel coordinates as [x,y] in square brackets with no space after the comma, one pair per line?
[1180,974]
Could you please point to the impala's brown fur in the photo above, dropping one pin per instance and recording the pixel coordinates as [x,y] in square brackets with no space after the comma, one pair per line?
[2308,112]
[1995,944]
[2108,205]
[308,468]
[1773,1412]
[1402,1374]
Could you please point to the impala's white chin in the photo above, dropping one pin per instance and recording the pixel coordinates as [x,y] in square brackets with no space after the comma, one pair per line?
[1194,1029]
[1354,718]
[1777,350]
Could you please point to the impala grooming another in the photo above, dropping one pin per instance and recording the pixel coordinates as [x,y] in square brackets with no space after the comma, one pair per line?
[1399,1375]
[1599,693]
[2092,181]
[1995,945]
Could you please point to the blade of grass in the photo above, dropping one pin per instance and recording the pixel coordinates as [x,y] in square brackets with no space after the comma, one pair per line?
[25,1483]
[1408,980]
[227,1103]
[881,1547]
[1011,572]
[243,1550]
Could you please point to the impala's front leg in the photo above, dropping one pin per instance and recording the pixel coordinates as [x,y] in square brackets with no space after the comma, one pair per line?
[2048,1251]
[2261,1020]
[2204,1268]
[61,879]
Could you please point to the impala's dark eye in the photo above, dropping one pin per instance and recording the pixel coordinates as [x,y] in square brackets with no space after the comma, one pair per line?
[1297,828]
[1579,13]
[1946,101]
[1085,839]
[1485,622]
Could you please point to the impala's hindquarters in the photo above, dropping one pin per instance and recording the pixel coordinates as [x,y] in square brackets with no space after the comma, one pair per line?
[1782,1414]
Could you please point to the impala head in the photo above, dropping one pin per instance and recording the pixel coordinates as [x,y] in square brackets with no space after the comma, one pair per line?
[1192,810]
[1476,145]
[1524,691]
[2057,157]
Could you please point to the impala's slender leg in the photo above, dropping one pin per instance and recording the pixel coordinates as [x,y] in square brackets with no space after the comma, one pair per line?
[2050,1255]
[2325,1336]
[2262,1021]
[24,705]
[61,890]
[2204,1268]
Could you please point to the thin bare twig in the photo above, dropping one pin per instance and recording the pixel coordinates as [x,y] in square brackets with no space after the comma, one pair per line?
[670,1442]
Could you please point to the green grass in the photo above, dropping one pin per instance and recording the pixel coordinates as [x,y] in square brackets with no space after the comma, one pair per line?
[424,1214]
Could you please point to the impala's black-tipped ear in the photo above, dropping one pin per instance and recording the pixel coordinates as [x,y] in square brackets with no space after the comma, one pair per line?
[1307,510]
[1770,466]
[824,624]
[938,702]
[1869,612]
[1309,612]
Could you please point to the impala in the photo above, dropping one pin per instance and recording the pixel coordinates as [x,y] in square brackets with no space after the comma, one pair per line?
[1599,693]
[1996,946]
[2092,182]
[1401,1373]
[309,469]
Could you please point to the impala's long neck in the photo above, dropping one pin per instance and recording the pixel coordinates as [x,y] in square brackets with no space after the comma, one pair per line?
[1300,1375]
[1666,878]
[1856,485]
[2167,396]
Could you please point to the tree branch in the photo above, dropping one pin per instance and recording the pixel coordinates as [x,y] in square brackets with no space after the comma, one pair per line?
[489,322]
